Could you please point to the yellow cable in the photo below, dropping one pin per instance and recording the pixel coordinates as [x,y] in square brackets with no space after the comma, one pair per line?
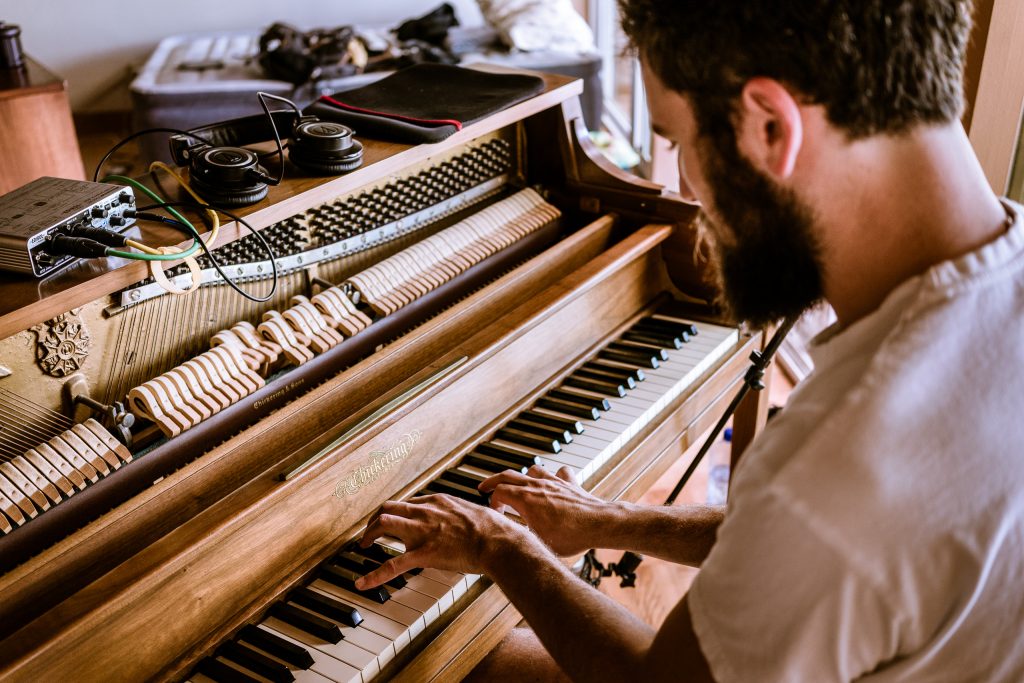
[214,216]
[142,247]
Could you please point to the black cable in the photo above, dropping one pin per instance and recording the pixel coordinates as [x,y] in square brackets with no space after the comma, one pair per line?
[262,97]
[173,222]
[138,134]
[263,156]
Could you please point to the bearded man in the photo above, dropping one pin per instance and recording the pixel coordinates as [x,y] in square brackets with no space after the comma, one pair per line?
[875,529]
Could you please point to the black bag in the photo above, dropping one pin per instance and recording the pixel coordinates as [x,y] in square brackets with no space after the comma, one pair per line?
[426,102]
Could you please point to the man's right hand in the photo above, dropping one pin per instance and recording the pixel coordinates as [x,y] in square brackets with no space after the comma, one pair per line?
[567,518]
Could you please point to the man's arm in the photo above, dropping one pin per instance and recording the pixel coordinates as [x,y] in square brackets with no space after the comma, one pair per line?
[589,635]
[570,520]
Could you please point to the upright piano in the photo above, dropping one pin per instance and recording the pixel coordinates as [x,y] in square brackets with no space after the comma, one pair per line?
[182,476]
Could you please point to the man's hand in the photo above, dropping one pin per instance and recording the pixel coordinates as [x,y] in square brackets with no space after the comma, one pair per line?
[567,518]
[442,532]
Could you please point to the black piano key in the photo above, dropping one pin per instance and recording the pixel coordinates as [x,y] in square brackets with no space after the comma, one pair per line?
[567,408]
[659,338]
[256,662]
[372,564]
[463,492]
[310,623]
[606,387]
[346,580]
[638,347]
[541,443]
[637,358]
[276,646]
[462,478]
[491,464]
[515,457]
[622,378]
[619,370]
[677,326]
[326,605]
[222,673]
[358,566]
[580,398]
[535,416]
[378,554]
[659,334]
[561,434]
[373,552]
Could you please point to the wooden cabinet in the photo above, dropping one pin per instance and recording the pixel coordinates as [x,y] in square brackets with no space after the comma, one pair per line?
[37,136]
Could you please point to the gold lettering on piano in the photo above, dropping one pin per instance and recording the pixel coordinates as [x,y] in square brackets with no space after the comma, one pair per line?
[291,386]
[381,461]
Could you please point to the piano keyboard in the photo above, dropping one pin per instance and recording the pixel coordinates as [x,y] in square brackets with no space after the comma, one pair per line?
[328,630]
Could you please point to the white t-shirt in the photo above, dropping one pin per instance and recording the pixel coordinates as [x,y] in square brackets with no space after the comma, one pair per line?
[876,528]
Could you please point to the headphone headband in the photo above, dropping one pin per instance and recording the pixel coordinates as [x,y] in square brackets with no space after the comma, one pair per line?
[232,133]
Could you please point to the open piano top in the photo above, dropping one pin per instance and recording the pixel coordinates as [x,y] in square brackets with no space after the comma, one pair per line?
[467,336]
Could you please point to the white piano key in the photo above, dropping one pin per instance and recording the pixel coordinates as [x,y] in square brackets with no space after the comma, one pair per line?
[301,676]
[440,592]
[372,620]
[359,647]
[391,609]
[321,671]
[458,582]
[423,604]
[329,665]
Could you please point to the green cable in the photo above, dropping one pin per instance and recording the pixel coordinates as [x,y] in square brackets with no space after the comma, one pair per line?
[140,256]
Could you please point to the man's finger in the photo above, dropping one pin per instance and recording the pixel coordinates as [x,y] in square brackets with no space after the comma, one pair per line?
[507,477]
[566,473]
[539,472]
[510,495]
[395,507]
[387,571]
[416,501]
[386,525]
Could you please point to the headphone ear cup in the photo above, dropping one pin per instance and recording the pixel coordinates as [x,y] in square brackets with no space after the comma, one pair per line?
[227,176]
[324,147]
[220,196]
[329,165]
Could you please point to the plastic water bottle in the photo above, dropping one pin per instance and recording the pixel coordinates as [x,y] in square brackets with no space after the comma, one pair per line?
[718,479]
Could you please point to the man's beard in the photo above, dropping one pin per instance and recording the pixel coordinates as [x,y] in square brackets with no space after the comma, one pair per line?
[764,256]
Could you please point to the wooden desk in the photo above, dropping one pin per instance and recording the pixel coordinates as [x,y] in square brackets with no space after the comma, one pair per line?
[37,136]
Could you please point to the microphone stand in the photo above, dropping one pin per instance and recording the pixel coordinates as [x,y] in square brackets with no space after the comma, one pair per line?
[593,570]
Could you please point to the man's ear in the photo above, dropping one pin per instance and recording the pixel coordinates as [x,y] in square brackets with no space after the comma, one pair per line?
[770,130]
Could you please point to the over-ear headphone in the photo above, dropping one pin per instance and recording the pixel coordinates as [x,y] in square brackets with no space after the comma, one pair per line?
[225,173]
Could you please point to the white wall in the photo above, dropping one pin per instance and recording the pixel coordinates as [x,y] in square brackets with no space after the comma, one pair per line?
[97,44]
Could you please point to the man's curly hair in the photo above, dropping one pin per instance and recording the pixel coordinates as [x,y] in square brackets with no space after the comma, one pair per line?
[877,66]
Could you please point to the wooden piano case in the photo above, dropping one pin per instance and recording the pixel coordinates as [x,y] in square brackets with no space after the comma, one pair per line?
[207,538]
